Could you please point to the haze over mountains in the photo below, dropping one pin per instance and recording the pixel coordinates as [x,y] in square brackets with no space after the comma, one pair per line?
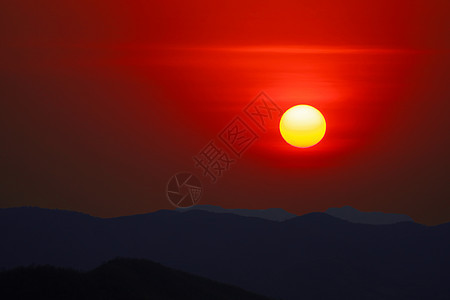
[315,256]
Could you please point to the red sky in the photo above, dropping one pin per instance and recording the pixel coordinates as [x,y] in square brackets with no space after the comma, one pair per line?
[102,103]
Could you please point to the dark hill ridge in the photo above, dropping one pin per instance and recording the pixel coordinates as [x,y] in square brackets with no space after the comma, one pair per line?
[347,213]
[376,218]
[130,279]
[316,256]
[273,214]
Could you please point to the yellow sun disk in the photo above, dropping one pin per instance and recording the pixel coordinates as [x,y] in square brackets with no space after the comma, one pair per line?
[302,126]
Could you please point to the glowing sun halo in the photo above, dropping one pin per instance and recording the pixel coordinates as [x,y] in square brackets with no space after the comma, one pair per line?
[302,126]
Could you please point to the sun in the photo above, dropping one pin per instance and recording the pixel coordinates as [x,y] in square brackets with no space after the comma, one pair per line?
[302,126]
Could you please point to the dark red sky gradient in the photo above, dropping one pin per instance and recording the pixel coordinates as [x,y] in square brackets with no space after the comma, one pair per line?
[103,102]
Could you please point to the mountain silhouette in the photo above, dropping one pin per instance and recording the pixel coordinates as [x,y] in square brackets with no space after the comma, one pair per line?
[130,279]
[347,213]
[314,256]
[273,214]
[376,218]
[351,214]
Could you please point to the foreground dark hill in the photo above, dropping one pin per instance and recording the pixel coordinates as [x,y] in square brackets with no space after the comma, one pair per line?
[130,279]
[315,256]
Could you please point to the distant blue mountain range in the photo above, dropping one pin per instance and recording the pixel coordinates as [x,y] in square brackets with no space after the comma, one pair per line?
[314,256]
[347,213]
[376,218]
[273,214]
